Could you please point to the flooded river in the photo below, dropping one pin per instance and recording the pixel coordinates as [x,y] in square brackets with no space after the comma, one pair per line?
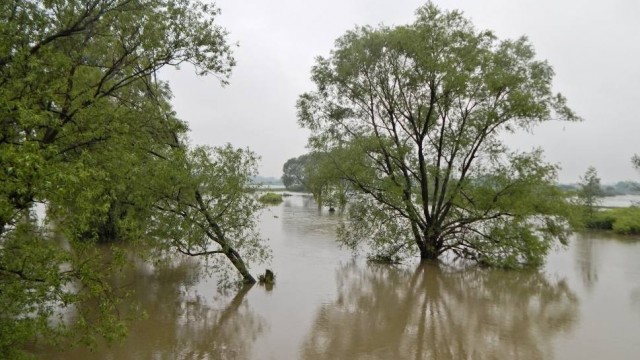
[326,304]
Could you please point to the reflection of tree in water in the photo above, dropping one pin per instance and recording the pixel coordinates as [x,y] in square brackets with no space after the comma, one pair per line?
[586,260]
[182,324]
[589,248]
[435,313]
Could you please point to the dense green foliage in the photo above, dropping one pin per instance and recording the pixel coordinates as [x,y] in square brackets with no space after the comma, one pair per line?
[203,207]
[270,198]
[620,220]
[294,174]
[87,133]
[411,117]
[315,173]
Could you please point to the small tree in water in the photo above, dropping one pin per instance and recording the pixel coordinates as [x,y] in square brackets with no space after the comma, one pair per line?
[205,208]
[590,191]
[412,117]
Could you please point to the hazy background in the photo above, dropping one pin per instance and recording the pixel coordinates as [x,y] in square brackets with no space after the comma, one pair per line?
[593,46]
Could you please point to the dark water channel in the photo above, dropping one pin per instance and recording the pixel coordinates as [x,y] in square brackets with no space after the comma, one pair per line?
[584,304]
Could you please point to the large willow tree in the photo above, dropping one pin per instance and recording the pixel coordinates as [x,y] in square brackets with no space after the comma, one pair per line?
[413,116]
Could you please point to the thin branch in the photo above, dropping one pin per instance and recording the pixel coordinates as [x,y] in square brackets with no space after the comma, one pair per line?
[202,253]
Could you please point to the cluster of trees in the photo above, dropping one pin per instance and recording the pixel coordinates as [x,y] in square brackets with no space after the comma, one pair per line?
[411,118]
[316,173]
[87,133]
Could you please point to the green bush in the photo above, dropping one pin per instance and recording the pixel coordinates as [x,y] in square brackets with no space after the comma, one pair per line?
[627,221]
[270,198]
[601,220]
[620,220]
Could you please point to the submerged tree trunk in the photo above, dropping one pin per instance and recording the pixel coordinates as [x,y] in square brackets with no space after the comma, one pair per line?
[429,247]
[428,253]
[220,238]
[239,264]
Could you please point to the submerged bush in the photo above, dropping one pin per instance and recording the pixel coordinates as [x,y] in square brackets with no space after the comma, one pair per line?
[601,220]
[270,198]
[627,221]
[620,220]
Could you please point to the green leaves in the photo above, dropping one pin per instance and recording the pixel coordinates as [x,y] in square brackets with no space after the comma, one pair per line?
[204,206]
[86,130]
[411,117]
[589,192]
[294,175]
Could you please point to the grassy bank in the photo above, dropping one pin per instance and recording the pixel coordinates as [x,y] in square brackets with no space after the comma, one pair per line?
[619,220]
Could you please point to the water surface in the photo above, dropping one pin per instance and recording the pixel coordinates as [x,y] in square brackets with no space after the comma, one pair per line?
[327,304]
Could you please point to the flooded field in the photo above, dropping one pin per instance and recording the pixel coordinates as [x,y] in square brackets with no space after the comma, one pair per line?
[327,304]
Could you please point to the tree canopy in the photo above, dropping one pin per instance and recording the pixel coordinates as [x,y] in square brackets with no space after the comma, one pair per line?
[413,117]
[294,173]
[314,172]
[87,135]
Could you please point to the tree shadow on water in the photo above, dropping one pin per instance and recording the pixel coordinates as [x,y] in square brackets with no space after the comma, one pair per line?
[435,312]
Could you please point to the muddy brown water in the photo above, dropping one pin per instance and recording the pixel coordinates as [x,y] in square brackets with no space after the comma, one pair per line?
[583,304]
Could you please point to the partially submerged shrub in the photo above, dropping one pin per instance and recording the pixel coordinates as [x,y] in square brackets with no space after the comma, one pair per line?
[627,221]
[601,220]
[620,220]
[268,279]
[270,198]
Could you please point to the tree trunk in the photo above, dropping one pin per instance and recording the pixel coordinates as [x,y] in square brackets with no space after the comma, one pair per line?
[318,198]
[108,230]
[239,264]
[219,237]
[428,253]
[430,248]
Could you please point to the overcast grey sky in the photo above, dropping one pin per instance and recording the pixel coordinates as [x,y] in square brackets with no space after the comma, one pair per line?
[593,46]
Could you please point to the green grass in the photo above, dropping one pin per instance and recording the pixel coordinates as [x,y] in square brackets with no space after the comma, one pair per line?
[620,220]
[270,198]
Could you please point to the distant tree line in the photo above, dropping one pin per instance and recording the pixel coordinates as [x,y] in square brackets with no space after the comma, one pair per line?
[619,188]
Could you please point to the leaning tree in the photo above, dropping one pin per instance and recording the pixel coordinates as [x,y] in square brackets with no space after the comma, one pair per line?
[414,116]
[85,130]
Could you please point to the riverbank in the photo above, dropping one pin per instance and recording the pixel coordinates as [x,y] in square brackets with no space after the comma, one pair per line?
[624,221]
